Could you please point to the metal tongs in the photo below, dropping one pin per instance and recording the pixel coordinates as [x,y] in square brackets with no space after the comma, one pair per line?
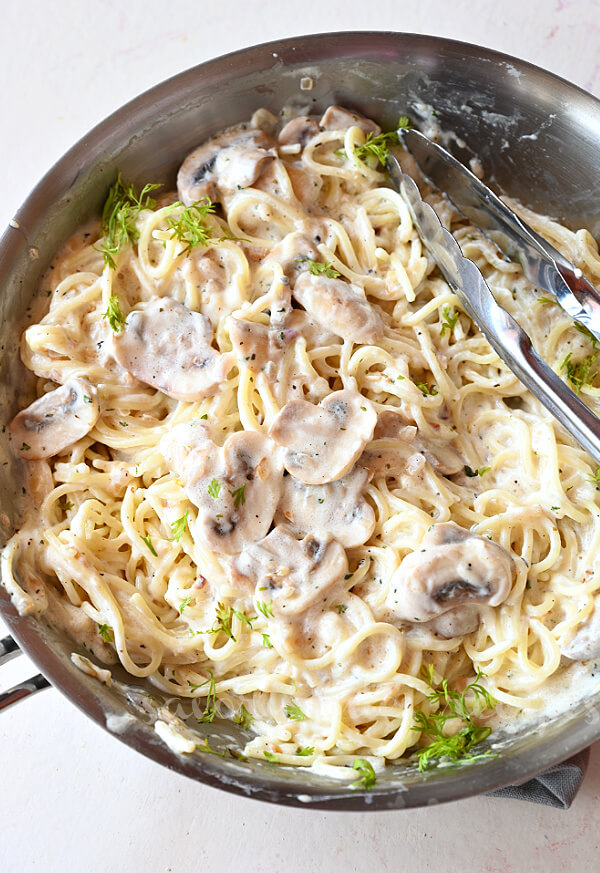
[543,265]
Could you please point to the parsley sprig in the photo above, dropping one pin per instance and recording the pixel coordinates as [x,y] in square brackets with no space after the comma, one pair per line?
[582,373]
[119,215]
[293,711]
[318,268]
[178,527]
[367,775]
[114,314]
[223,619]
[377,148]
[449,319]
[453,705]
[189,226]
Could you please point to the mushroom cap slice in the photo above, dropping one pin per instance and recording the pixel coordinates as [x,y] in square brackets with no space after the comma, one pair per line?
[338,118]
[298,131]
[294,574]
[393,425]
[257,346]
[452,567]
[55,420]
[586,642]
[167,346]
[323,442]
[341,307]
[337,508]
[236,487]
[235,158]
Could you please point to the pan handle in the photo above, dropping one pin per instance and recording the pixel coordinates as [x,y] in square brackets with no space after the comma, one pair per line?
[9,648]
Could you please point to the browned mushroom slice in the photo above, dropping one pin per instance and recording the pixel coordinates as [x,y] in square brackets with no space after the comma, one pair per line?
[167,346]
[56,420]
[338,508]
[234,159]
[339,306]
[293,574]
[452,567]
[298,131]
[236,487]
[586,642]
[323,442]
[338,118]
[392,425]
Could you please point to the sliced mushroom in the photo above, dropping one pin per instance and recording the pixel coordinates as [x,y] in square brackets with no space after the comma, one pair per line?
[338,508]
[236,487]
[294,252]
[306,185]
[323,442]
[339,306]
[167,346]
[298,131]
[257,346]
[451,568]
[392,425]
[56,420]
[338,118]
[293,574]
[586,642]
[234,159]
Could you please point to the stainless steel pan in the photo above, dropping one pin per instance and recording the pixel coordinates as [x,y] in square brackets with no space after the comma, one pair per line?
[538,138]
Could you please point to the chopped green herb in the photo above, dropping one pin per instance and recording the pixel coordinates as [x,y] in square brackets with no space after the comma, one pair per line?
[554,508]
[271,757]
[210,710]
[595,477]
[214,489]
[148,542]
[454,705]
[243,718]
[204,747]
[580,374]
[265,609]
[204,417]
[546,301]
[178,527]
[378,147]
[319,269]
[185,602]
[106,632]
[367,775]
[266,641]
[25,447]
[341,608]
[189,226]
[114,314]
[65,504]
[425,389]
[239,497]
[87,398]
[306,751]
[469,471]
[449,319]
[119,215]
[587,333]
[293,711]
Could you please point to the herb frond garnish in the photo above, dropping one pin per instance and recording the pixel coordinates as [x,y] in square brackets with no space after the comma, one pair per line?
[305,751]
[449,319]
[582,373]
[148,542]
[271,757]
[210,709]
[178,527]
[453,705]
[595,477]
[293,711]
[317,268]
[120,212]
[546,301]
[189,226]
[214,489]
[367,775]
[378,147]
[266,641]
[205,747]
[243,718]
[185,602]
[480,471]
[239,497]
[222,622]
[265,609]
[114,314]
[106,632]
[586,333]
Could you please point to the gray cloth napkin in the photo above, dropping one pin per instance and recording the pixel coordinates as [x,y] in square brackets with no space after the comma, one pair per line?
[557,787]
